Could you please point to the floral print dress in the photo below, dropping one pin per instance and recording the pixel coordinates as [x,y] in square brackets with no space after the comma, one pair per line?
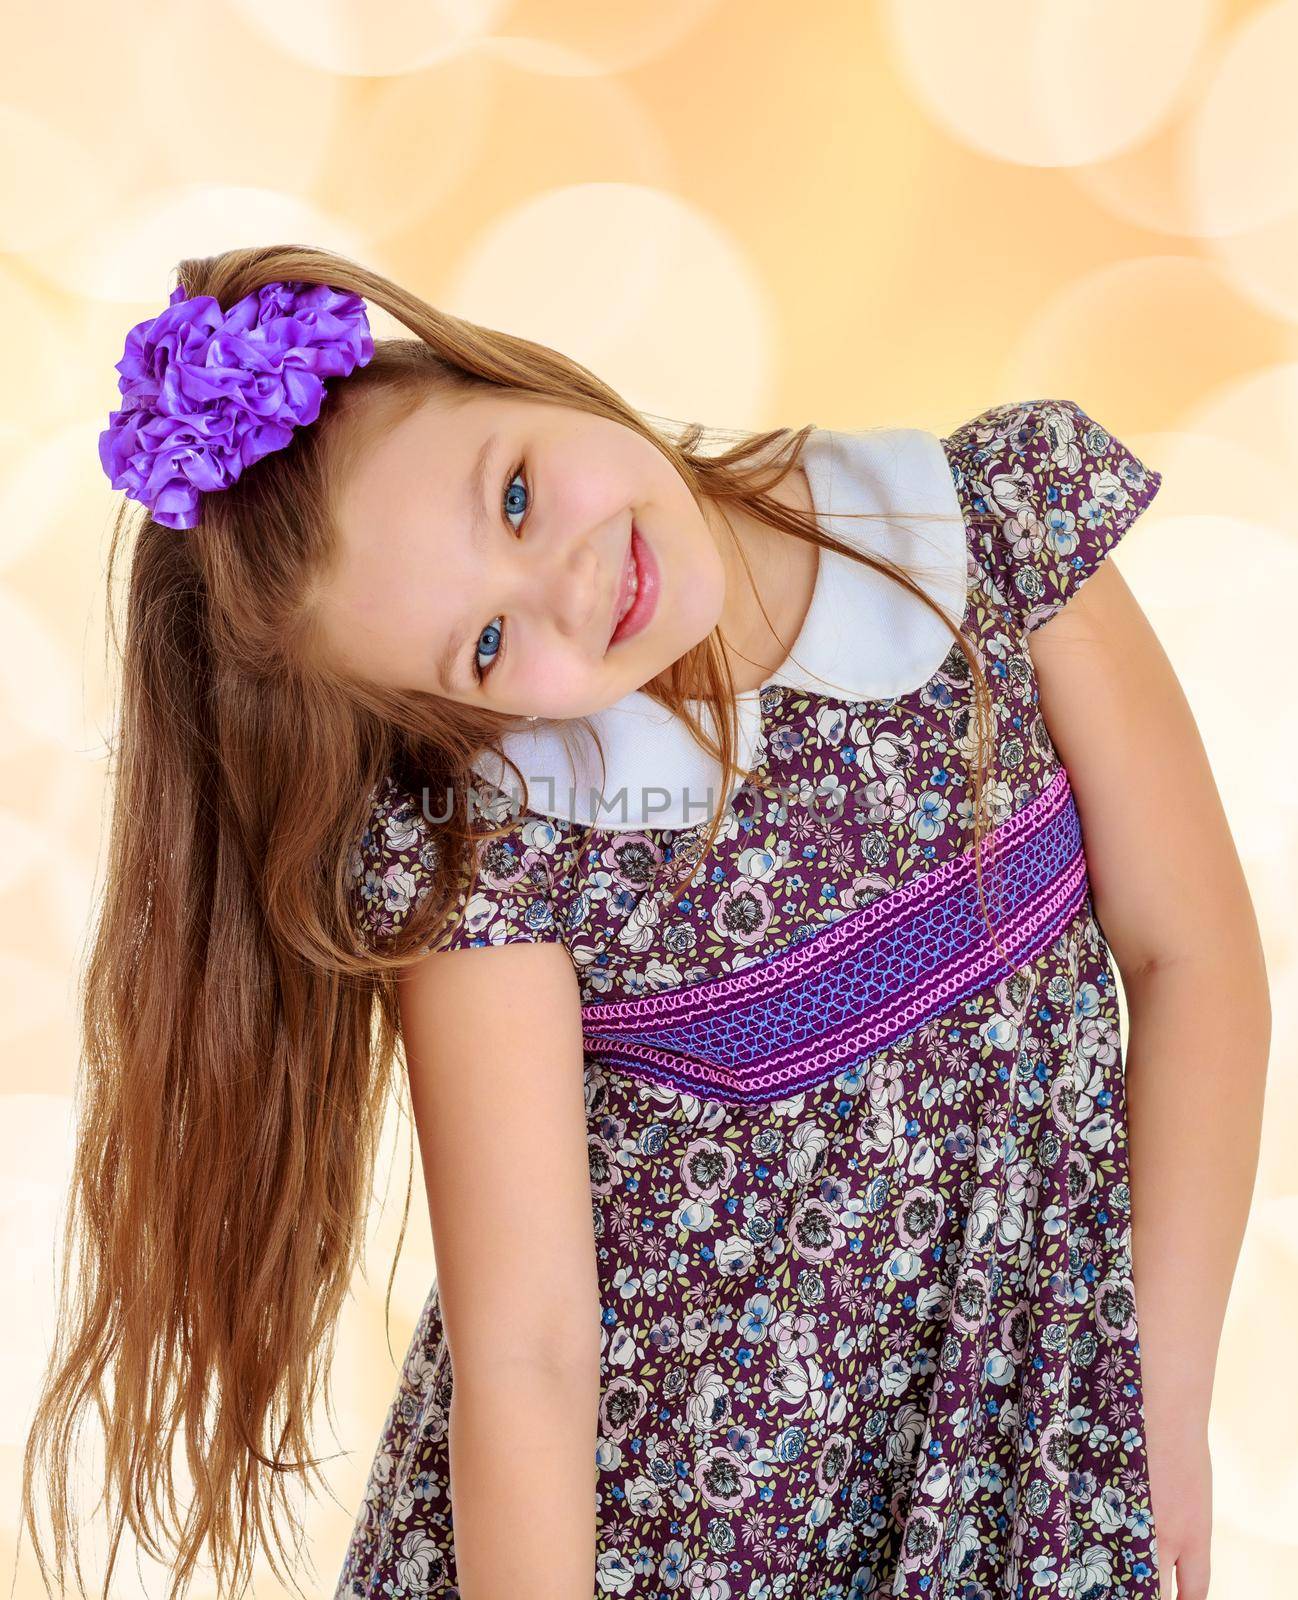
[858,1164]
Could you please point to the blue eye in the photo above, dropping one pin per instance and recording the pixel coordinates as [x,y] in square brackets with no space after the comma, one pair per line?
[491,639]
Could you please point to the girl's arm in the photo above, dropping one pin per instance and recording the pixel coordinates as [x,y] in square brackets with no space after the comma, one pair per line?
[1172,901]
[494,1051]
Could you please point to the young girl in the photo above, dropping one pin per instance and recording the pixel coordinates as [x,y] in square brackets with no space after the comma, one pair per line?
[736,845]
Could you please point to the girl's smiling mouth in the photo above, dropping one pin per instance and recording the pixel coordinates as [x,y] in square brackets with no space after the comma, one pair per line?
[638,593]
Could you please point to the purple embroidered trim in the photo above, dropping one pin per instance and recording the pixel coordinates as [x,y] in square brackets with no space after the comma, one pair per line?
[808,1013]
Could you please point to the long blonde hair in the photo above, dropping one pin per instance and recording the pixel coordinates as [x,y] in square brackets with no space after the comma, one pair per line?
[239,1041]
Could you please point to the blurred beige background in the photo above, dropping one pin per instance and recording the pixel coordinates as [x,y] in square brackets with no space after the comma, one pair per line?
[754,214]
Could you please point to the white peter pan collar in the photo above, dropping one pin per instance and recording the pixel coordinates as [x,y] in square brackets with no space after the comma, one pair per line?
[864,638]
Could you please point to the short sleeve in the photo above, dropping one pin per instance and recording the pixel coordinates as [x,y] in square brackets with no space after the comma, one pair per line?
[392,866]
[1049,493]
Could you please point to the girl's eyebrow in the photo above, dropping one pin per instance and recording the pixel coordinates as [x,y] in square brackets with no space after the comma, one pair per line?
[476,508]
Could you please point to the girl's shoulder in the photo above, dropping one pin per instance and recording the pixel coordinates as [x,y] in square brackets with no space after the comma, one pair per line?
[1046,492]
[393,863]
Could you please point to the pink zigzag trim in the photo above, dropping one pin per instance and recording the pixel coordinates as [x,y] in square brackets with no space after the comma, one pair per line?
[819,1059]
[812,955]
[1032,926]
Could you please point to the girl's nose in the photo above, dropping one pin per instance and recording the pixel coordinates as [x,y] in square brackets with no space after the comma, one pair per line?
[572,588]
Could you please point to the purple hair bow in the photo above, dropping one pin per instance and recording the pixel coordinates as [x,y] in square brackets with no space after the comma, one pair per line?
[208,392]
